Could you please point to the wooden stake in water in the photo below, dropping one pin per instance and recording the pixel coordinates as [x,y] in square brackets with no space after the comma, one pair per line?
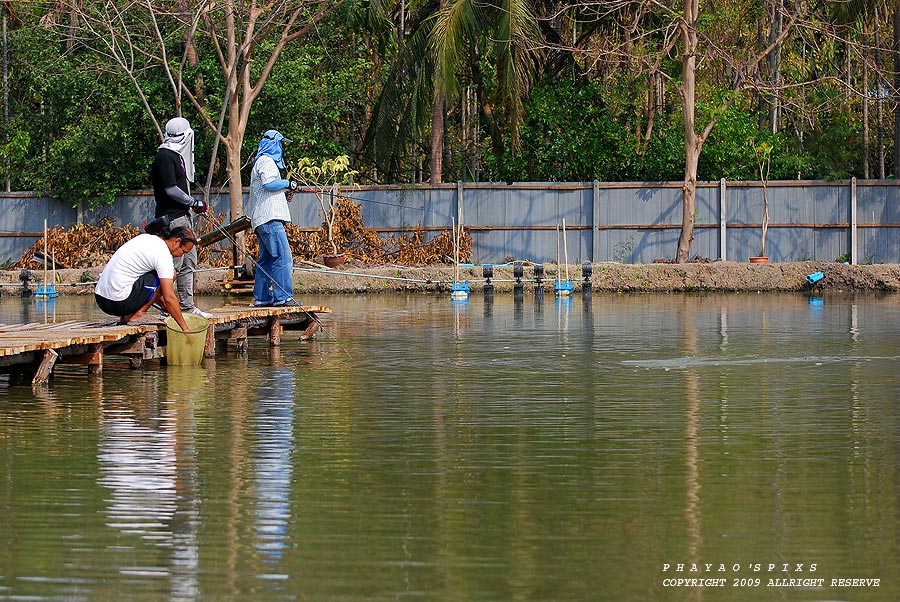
[455,251]
[458,290]
[558,262]
[45,255]
[563,285]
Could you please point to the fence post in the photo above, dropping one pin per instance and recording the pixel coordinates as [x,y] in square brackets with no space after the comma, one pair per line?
[853,221]
[595,223]
[723,223]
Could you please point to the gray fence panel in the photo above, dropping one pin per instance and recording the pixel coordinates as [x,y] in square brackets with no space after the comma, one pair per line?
[638,223]
[22,218]
[522,222]
[393,207]
[305,210]
[630,205]
[706,223]
[878,203]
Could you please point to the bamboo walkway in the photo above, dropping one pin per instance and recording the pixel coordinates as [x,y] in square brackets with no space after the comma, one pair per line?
[33,350]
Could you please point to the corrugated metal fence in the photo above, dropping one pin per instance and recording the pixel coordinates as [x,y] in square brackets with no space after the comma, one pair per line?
[626,222]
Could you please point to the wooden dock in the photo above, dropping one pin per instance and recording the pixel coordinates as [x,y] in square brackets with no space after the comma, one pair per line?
[33,350]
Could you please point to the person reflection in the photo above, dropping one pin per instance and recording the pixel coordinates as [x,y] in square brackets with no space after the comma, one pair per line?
[142,464]
[274,426]
[137,464]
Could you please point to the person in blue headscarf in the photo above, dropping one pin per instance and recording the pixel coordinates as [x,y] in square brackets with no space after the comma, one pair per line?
[273,284]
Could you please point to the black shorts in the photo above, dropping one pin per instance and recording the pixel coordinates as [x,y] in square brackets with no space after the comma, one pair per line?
[141,292]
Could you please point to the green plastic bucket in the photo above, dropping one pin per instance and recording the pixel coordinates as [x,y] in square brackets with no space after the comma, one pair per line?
[186,348]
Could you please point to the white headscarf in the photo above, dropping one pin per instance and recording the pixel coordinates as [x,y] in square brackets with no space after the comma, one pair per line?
[179,137]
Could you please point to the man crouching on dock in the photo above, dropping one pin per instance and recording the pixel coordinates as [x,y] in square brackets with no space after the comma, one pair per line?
[142,272]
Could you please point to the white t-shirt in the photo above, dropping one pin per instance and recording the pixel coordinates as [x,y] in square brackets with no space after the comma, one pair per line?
[140,255]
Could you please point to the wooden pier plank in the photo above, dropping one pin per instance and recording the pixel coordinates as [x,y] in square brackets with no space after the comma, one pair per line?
[19,343]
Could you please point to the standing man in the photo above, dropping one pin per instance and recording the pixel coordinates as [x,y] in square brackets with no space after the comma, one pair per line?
[173,168]
[273,284]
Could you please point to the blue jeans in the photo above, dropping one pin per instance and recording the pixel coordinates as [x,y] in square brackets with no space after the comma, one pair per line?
[273,282]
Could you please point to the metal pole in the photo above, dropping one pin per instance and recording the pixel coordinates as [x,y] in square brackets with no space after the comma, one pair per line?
[5,61]
[595,222]
[854,240]
[723,223]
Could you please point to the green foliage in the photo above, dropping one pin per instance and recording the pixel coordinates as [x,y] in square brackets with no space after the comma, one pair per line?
[567,136]
[834,148]
[663,157]
[317,93]
[79,132]
[78,137]
[104,159]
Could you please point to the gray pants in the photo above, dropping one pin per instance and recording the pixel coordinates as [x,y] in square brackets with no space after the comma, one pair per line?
[184,268]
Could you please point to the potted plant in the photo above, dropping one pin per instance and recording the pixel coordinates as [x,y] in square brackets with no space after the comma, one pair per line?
[325,180]
[764,162]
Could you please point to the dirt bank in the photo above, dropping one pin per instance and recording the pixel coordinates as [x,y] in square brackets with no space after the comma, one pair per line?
[616,277]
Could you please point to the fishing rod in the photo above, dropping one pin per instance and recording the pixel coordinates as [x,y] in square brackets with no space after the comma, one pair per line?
[256,266]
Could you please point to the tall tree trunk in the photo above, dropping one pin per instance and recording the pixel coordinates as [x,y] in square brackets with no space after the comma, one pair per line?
[896,87]
[437,138]
[5,60]
[437,125]
[692,142]
[865,102]
[879,98]
[762,101]
[775,28]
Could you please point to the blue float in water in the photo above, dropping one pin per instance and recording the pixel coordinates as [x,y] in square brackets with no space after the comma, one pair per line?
[563,287]
[459,290]
[48,292]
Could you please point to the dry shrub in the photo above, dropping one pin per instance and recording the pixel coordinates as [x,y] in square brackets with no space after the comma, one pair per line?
[84,246]
[81,246]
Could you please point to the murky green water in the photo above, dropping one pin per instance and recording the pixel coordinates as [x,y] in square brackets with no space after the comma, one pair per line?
[502,451]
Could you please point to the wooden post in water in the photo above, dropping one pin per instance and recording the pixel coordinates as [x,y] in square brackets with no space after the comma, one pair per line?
[275,331]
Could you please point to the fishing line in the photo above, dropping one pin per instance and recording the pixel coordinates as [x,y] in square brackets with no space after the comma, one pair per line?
[256,266]
[399,278]
[363,200]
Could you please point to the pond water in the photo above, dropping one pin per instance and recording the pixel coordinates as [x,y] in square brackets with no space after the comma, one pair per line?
[519,449]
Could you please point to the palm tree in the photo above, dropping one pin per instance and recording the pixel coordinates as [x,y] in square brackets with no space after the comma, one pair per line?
[447,41]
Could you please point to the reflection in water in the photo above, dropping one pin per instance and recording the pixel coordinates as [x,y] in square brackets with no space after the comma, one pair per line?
[273,417]
[147,460]
[47,309]
[692,457]
[460,308]
[489,453]
[518,309]
[137,463]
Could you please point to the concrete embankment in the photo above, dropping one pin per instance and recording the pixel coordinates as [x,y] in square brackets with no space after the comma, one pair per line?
[612,277]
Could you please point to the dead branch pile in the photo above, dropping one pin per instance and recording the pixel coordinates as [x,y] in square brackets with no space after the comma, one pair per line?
[83,246]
